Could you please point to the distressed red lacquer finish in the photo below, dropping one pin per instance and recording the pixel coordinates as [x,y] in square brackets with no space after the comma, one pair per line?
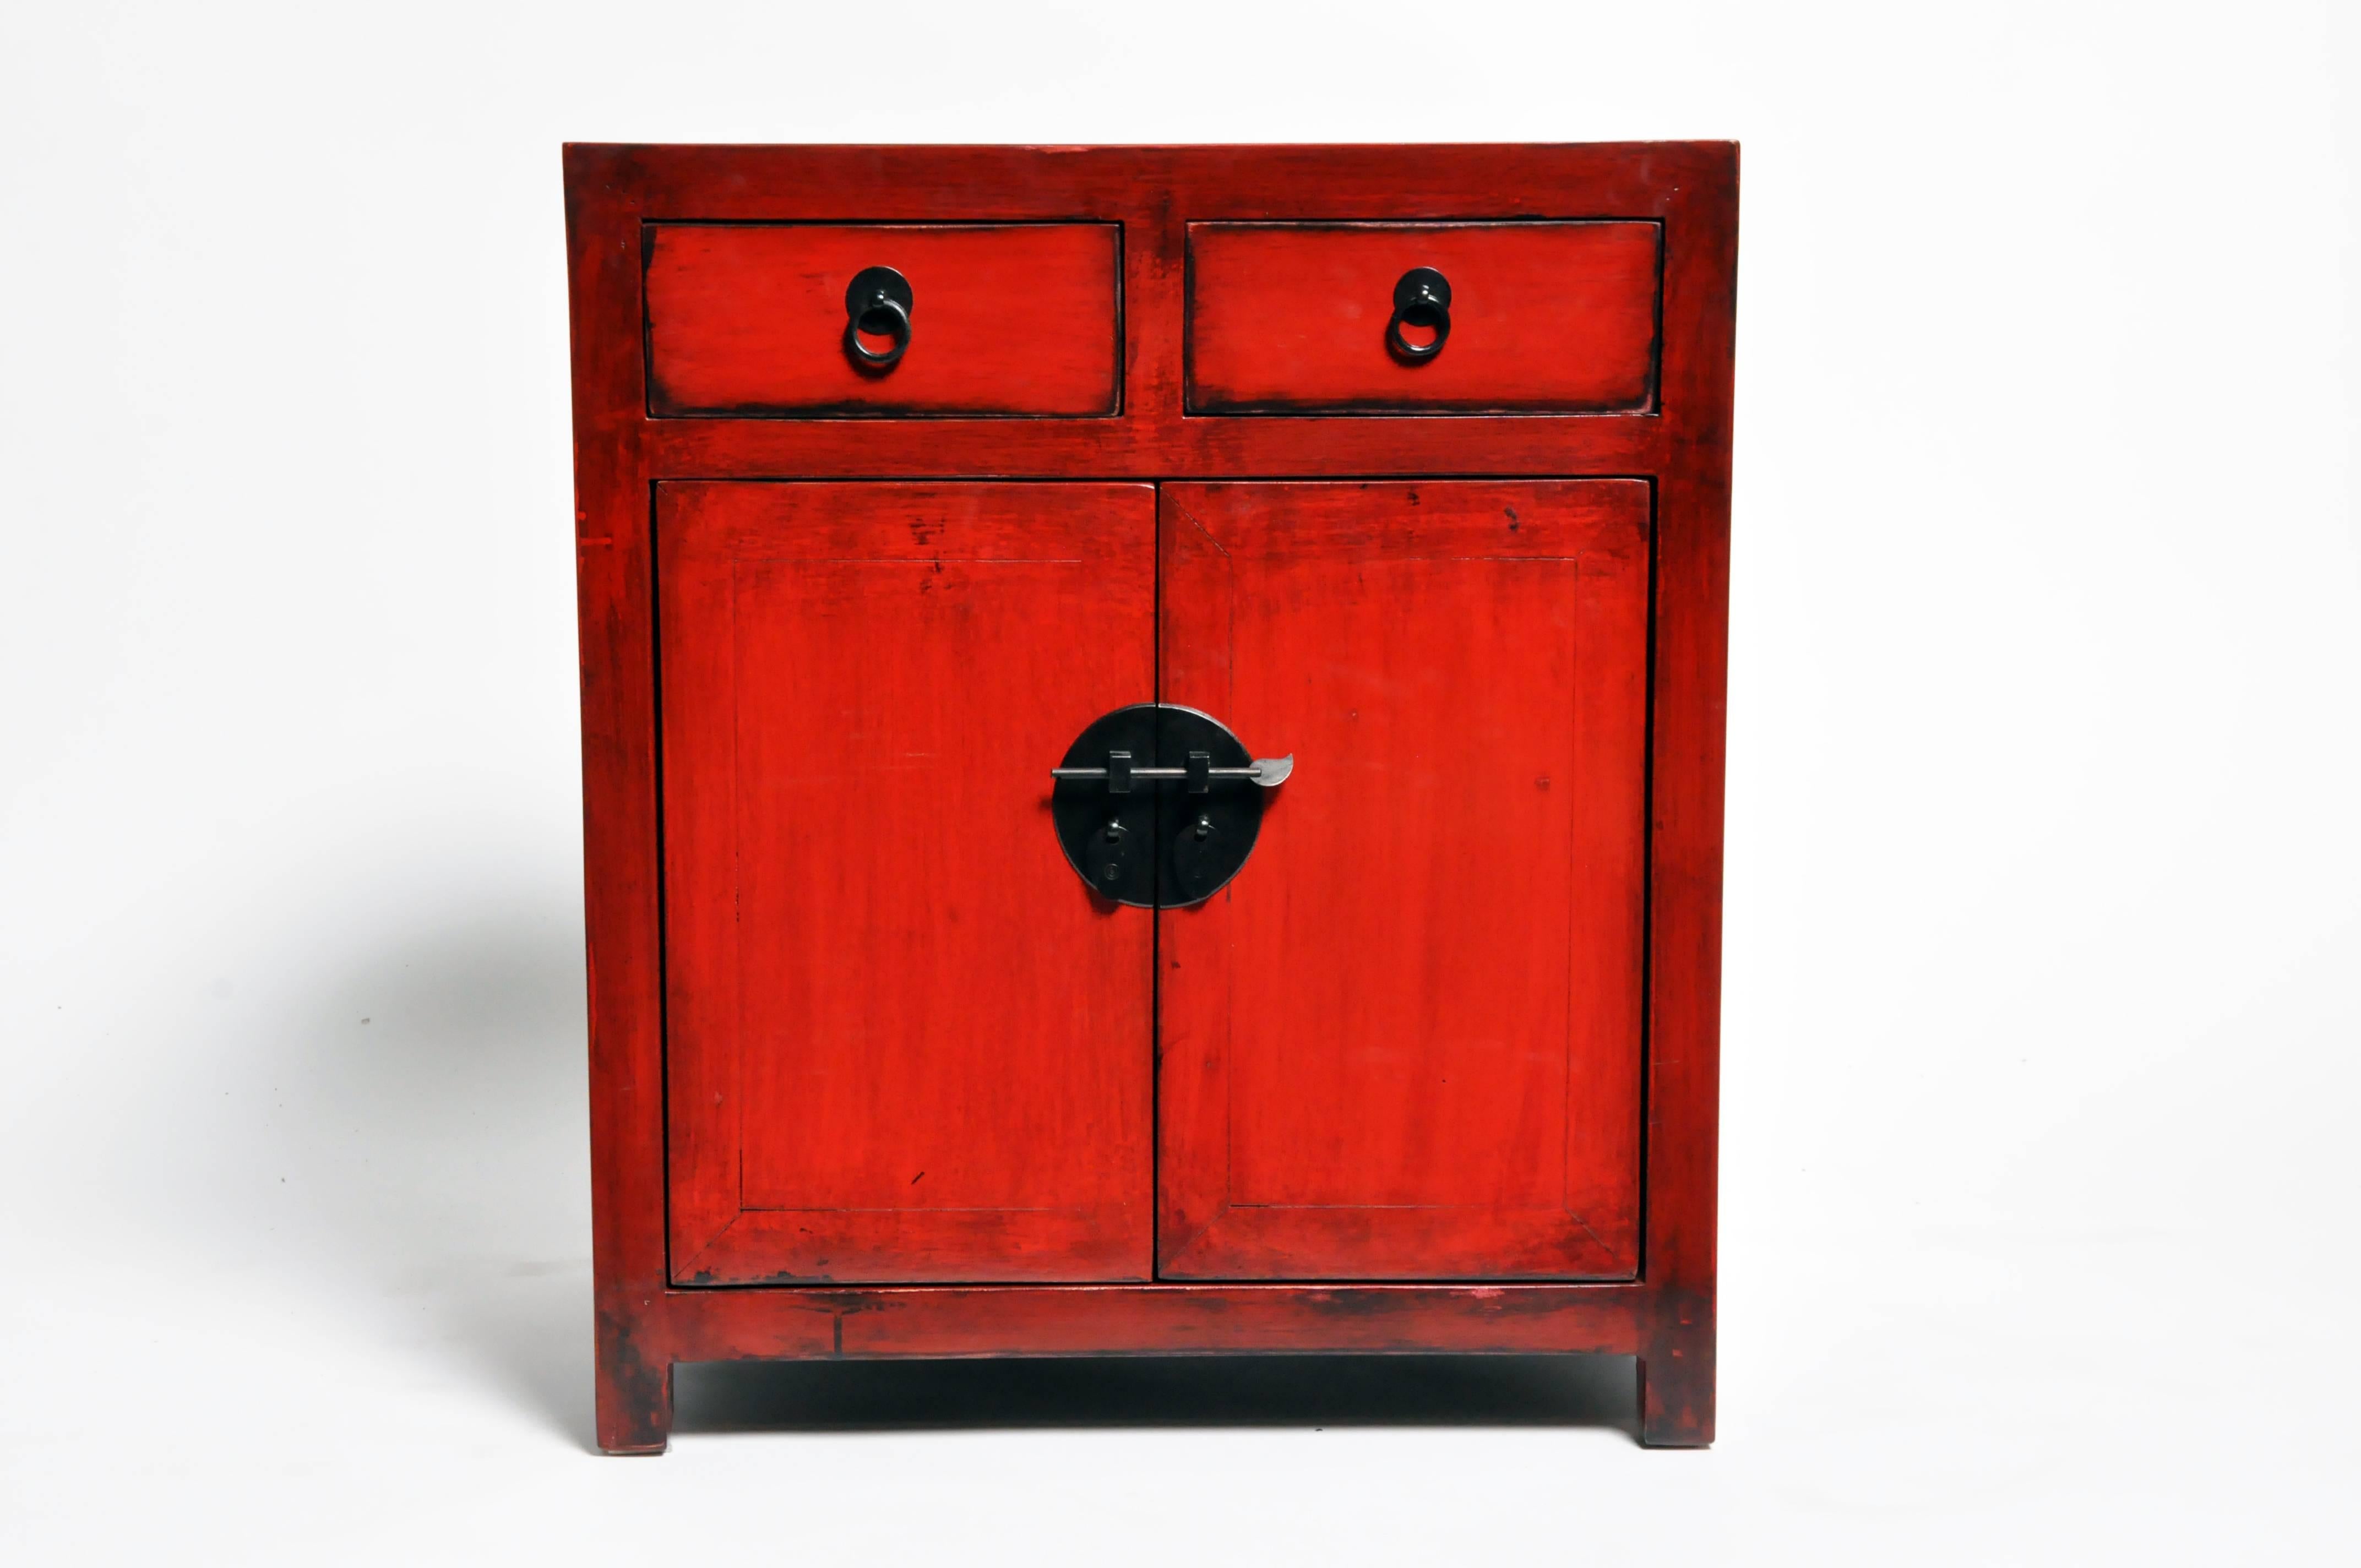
[757,472]
[903,1043]
[1405,1043]
[1005,319]
[1290,316]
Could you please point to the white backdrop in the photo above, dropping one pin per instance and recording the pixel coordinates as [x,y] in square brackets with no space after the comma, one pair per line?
[2042,920]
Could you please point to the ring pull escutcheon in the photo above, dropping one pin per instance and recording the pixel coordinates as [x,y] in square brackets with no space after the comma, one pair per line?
[1158,806]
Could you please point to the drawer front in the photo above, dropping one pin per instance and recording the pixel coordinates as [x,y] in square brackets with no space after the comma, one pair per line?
[1011,319]
[1542,317]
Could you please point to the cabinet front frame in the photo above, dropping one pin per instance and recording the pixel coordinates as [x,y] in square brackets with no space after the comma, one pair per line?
[1665,1317]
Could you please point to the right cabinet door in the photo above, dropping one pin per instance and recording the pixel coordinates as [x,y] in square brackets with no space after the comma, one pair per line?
[1406,1042]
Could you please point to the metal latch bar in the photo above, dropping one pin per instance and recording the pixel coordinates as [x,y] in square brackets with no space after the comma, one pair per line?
[1267,772]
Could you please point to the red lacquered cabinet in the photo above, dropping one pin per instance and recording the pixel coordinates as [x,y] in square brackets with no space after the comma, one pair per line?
[1152,729]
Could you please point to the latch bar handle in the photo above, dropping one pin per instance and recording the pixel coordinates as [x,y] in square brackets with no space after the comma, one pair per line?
[1267,772]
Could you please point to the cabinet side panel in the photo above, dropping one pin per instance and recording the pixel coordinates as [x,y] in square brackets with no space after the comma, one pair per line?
[1692,653]
[615,605]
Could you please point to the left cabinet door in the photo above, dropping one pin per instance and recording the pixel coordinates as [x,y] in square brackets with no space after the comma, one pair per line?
[904,1042]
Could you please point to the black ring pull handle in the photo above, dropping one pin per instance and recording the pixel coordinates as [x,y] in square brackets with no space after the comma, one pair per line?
[1422,298]
[879,303]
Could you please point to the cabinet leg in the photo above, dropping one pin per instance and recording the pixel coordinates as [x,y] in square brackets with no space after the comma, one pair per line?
[1676,1393]
[634,1395]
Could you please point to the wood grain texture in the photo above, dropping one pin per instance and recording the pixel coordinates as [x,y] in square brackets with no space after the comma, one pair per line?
[906,1041]
[1405,1042]
[1005,319]
[1554,317]
[1155,194]
[1159,1320]
[1680,443]
[1685,852]
[614,573]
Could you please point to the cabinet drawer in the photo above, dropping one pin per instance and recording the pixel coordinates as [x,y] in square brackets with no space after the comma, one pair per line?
[1012,319]
[1542,317]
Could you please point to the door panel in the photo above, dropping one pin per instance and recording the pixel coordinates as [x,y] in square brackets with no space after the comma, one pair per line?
[905,1042]
[1405,1043]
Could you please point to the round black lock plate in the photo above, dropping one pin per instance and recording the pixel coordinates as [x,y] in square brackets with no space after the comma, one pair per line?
[1159,843]
[1109,836]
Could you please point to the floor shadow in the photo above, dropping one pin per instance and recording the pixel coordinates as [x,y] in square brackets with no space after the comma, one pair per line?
[397,1135]
[468,1090]
[1160,1391]
[422,1168]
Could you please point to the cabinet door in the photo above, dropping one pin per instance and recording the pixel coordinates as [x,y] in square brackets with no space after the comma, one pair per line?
[1405,1042]
[904,1042]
